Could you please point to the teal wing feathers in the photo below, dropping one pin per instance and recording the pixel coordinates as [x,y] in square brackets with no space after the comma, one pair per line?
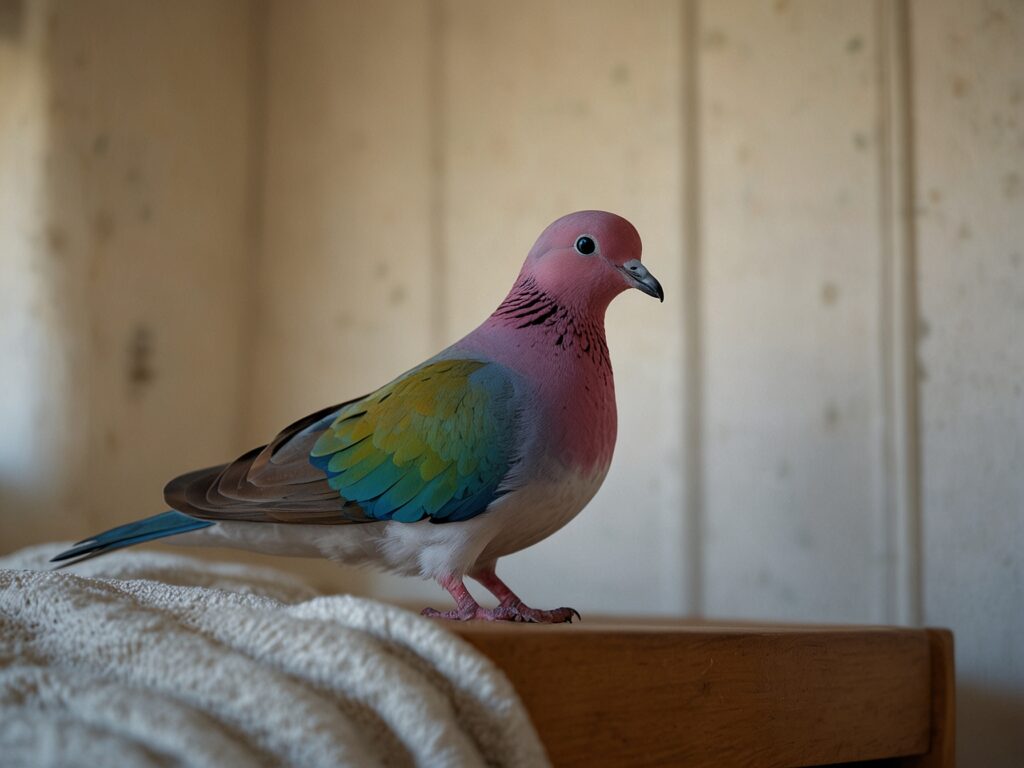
[435,444]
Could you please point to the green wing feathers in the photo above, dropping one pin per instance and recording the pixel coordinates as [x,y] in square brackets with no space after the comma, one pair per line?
[436,443]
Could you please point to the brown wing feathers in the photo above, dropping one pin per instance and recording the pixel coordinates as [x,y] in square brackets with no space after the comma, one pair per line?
[272,483]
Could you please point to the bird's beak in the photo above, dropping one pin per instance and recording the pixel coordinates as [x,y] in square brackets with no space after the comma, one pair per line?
[638,277]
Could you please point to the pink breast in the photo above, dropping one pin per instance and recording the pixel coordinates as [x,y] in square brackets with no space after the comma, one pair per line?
[566,364]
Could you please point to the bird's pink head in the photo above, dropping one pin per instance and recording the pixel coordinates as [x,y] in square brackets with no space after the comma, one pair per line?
[587,258]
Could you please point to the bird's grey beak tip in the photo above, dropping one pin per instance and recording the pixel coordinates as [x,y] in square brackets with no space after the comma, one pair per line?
[640,278]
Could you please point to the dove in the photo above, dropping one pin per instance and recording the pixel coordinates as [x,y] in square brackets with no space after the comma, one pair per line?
[477,453]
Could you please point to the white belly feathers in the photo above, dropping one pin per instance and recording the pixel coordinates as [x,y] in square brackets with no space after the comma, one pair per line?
[517,520]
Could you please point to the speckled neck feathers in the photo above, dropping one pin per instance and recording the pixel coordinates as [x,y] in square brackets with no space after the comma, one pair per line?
[527,306]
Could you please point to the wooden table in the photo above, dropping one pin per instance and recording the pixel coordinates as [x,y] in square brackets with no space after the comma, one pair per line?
[684,694]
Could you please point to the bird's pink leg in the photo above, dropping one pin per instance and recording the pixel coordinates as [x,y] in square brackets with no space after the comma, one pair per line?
[511,608]
[466,607]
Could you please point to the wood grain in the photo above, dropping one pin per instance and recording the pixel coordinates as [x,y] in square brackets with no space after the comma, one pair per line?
[942,744]
[722,695]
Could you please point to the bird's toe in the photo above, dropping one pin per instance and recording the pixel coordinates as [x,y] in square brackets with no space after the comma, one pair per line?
[556,616]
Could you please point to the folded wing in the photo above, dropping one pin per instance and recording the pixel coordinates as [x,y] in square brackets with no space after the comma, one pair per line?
[437,444]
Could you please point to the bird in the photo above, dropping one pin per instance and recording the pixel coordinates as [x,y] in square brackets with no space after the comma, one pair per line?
[481,451]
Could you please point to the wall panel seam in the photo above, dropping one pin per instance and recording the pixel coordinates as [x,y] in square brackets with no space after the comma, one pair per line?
[438,174]
[254,215]
[900,527]
[692,333]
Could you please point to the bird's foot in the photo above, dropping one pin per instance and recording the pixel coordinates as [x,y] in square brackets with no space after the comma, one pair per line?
[462,613]
[515,610]
[510,610]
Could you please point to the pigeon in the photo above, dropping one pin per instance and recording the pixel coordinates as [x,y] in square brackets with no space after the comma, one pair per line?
[483,450]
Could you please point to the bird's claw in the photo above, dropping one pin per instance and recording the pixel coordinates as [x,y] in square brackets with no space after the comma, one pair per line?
[458,614]
[556,616]
[511,611]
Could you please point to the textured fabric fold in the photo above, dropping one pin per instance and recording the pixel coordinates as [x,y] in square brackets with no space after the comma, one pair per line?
[144,658]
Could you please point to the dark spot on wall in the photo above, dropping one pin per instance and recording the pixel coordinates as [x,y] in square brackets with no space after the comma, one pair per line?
[922,372]
[860,141]
[1016,93]
[964,231]
[1012,185]
[620,74]
[831,416]
[145,212]
[80,60]
[140,372]
[56,239]
[783,469]
[855,45]
[781,6]
[103,226]
[110,441]
[101,144]
[12,15]
[580,108]
[133,176]
[829,294]
[397,294]
[924,328]
[994,18]
[715,39]
[960,86]
[382,269]
[934,195]
[804,537]
[1015,259]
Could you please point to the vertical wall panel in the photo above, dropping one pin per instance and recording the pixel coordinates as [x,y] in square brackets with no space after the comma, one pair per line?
[138,244]
[35,501]
[969,118]
[344,281]
[899,529]
[790,264]
[551,108]
[344,288]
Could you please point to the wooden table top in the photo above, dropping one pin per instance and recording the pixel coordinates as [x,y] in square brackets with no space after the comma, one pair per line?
[663,692]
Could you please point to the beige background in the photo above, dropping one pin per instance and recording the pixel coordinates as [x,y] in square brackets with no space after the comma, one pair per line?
[218,216]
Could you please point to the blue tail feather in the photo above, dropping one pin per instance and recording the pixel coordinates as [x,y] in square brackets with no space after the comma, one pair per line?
[169,523]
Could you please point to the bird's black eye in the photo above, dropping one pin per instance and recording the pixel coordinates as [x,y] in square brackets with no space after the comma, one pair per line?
[586,245]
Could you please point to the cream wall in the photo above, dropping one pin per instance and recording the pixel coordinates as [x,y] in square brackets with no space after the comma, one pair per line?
[219,216]
[32,325]
[969,150]
[124,250]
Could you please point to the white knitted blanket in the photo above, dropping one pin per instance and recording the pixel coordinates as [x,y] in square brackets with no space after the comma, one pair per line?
[150,659]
